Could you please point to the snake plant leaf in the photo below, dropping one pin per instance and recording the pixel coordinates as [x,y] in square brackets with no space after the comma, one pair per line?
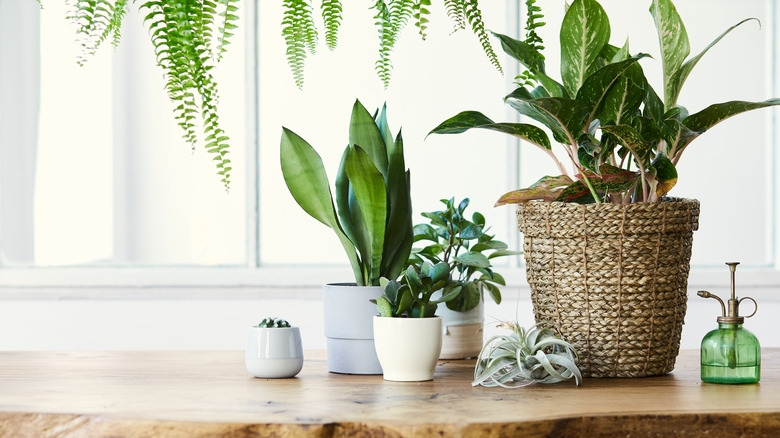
[533,61]
[714,114]
[399,234]
[565,117]
[584,33]
[385,132]
[466,120]
[679,76]
[674,43]
[548,188]
[364,132]
[349,212]
[595,88]
[665,174]
[472,258]
[369,187]
[307,181]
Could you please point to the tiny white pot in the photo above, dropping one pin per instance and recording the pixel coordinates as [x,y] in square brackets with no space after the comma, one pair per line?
[274,353]
[408,348]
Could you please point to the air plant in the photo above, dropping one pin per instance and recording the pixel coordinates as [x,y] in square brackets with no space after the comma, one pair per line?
[524,357]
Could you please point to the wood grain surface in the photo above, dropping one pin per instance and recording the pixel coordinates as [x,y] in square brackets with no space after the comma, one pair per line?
[210,393]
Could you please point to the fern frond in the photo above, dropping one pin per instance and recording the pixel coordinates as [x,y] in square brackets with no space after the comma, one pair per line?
[227,25]
[331,16]
[299,34]
[456,10]
[474,16]
[533,13]
[391,18]
[421,14]
[96,21]
[181,32]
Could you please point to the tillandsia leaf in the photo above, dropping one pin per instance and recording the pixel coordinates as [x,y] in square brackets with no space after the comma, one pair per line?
[665,174]
[595,88]
[584,32]
[681,74]
[610,180]
[371,195]
[673,40]
[307,181]
[548,188]
[531,59]
[466,120]
[565,117]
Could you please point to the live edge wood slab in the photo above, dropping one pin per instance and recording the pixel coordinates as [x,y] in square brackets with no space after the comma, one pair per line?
[209,393]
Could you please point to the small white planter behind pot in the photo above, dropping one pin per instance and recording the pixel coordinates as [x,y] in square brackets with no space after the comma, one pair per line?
[273,353]
[462,335]
[408,348]
[348,328]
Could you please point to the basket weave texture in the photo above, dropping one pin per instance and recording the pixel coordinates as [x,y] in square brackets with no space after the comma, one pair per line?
[612,279]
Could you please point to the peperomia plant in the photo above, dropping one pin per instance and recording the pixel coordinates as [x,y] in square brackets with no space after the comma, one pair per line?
[373,213]
[467,247]
[623,141]
[273,323]
[524,357]
[412,295]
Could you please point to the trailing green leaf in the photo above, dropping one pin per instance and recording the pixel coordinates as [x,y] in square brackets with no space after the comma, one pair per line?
[331,16]
[300,35]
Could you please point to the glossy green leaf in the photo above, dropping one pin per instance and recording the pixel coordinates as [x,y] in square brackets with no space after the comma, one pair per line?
[596,86]
[565,117]
[681,74]
[425,232]
[496,245]
[349,213]
[413,279]
[399,234]
[584,33]
[307,181]
[369,187]
[449,295]
[473,259]
[714,114]
[384,307]
[673,40]
[470,232]
[364,132]
[406,301]
[473,119]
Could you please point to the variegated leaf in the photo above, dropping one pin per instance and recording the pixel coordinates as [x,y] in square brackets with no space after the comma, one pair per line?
[673,40]
[473,119]
[584,32]
[596,86]
[565,117]
[546,189]
[610,180]
[665,173]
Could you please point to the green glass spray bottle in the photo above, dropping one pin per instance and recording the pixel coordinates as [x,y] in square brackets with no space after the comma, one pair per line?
[730,354]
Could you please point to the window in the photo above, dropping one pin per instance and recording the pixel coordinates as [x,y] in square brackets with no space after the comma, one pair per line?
[103,179]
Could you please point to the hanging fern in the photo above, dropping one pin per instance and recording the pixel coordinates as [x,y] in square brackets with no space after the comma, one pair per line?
[456,10]
[182,32]
[390,20]
[421,14]
[331,16]
[300,35]
[474,16]
[533,13]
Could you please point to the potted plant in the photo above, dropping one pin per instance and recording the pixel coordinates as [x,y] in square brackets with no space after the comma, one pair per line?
[407,332]
[607,255]
[372,218]
[464,244]
[274,349]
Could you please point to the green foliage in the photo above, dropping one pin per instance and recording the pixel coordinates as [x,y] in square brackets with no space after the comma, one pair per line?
[273,323]
[183,34]
[372,215]
[465,245]
[525,357]
[390,19]
[412,295]
[623,141]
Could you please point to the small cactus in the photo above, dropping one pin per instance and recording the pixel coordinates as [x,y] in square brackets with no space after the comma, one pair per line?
[273,323]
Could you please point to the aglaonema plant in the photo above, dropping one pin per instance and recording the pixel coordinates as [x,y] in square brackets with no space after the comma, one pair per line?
[372,215]
[465,244]
[412,295]
[622,139]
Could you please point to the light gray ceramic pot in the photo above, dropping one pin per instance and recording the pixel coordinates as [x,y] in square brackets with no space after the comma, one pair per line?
[349,328]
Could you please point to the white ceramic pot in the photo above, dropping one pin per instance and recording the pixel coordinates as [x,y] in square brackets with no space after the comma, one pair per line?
[348,328]
[408,348]
[462,332]
[273,353]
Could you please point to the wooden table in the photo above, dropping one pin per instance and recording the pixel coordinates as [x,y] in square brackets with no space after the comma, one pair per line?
[192,394]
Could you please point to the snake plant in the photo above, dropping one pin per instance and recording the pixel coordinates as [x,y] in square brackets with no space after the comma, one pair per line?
[189,38]
[372,217]
[524,357]
[412,295]
[624,142]
[466,245]
[391,17]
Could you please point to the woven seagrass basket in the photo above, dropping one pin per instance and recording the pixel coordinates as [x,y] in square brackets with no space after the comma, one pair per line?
[612,279]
